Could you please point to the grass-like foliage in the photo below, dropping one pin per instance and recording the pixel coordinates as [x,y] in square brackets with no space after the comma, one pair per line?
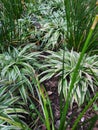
[79,16]
[48,17]
[13,23]
[49,25]
[10,12]
[60,21]
[11,111]
[85,82]
[17,66]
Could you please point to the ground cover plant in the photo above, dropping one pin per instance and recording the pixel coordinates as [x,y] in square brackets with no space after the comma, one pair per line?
[11,110]
[48,65]
[17,65]
[85,81]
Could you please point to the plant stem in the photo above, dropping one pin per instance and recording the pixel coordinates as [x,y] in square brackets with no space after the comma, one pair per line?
[44,105]
[75,73]
[61,93]
[85,109]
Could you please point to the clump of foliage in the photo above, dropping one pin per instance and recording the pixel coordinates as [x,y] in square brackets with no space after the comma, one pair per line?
[61,21]
[85,82]
[79,17]
[15,25]
[18,66]
[49,24]
[12,112]
[10,12]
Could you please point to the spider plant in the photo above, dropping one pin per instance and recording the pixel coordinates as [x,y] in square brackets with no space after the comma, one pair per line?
[75,74]
[11,110]
[74,77]
[50,25]
[45,104]
[61,21]
[85,81]
[17,65]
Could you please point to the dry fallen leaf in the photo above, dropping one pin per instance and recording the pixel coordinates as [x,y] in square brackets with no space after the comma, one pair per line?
[49,93]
